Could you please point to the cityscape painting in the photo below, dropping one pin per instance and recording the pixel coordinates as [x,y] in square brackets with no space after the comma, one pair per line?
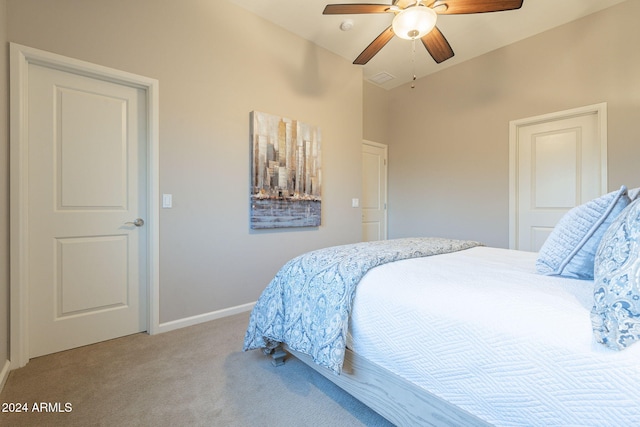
[286,172]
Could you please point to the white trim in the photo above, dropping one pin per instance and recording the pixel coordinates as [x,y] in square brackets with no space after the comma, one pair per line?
[153,206]
[21,57]
[206,317]
[4,374]
[18,186]
[375,144]
[599,109]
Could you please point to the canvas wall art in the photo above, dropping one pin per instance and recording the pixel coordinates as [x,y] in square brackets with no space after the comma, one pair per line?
[286,172]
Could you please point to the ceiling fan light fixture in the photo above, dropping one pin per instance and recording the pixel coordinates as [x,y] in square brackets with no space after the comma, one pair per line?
[414,22]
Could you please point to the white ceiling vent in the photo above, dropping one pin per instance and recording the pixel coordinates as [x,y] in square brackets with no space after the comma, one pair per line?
[381,78]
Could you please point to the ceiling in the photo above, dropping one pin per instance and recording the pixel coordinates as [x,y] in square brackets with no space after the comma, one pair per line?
[469,35]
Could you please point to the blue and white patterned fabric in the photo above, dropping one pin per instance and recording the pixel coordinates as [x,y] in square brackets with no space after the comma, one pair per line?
[571,247]
[308,303]
[616,312]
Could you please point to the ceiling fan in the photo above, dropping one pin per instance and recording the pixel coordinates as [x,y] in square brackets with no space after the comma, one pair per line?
[417,19]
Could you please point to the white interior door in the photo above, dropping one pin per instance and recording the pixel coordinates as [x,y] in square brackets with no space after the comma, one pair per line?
[374,191]
[559,161]
[86,187]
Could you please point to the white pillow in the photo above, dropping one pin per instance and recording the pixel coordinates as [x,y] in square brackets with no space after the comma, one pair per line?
[571,247]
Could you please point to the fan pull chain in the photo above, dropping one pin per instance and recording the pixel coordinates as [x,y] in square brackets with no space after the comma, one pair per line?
[413,64]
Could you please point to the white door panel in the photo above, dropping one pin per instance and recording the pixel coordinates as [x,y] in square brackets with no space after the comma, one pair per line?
[92,172]
[86,180]
[374,192]
[558,162]
[91,274]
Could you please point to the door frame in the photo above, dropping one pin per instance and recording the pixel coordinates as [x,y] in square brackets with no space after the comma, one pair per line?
[599,109]
[20,58]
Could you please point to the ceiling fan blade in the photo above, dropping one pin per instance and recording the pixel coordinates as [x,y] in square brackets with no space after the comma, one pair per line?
[345,9]
[456,7]
[437,45]
[375,46]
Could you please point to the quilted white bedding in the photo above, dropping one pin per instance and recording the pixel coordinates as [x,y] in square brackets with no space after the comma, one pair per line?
[480,329]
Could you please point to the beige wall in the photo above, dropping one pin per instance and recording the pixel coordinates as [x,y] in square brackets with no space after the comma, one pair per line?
[375,113]
[216,63]
[4,187]
[448,156]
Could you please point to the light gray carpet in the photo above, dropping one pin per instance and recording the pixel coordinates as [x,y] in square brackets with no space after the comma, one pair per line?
[196,376]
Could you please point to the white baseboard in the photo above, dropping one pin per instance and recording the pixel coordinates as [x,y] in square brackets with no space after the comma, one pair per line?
[201,318]
[4,374]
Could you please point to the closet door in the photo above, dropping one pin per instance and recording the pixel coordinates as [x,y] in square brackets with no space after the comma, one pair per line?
[374,191]
[558,162]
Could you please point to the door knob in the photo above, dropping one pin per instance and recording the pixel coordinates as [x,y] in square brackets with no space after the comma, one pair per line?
[138,222]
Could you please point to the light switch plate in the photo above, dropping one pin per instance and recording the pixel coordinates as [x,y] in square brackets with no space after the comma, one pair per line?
[167,201]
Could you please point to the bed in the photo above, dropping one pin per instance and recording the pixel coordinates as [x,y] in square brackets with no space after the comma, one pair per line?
[465,335]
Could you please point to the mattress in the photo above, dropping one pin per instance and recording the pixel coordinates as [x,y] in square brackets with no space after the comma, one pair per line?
[480,329]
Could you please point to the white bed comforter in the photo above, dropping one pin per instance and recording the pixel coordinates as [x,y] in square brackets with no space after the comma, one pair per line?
[480,329]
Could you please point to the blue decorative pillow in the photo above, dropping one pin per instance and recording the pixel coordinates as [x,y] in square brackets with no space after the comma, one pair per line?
[615,316]
[571,247]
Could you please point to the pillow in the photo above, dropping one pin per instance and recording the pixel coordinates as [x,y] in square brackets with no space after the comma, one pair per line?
[615,316]
[634,193]
[571,247]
